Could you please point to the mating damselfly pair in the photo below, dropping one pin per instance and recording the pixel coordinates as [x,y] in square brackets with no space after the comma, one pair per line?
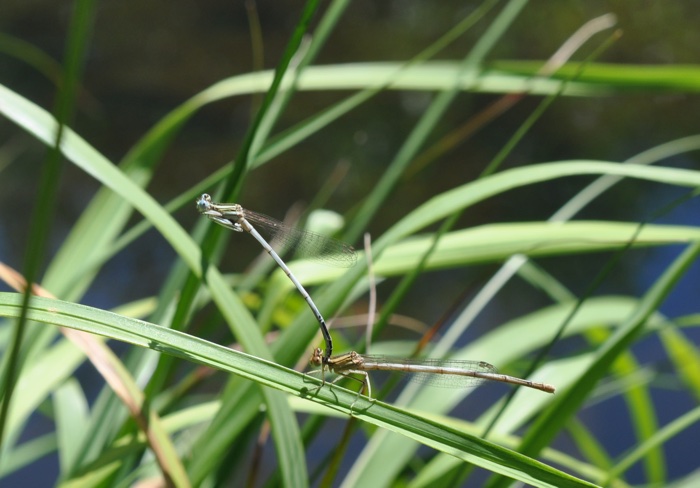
[455,373]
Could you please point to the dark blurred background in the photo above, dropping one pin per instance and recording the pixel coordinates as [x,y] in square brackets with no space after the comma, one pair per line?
[146,58]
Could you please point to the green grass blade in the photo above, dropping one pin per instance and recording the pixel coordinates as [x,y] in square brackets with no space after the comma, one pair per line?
[27,453]
[685,356]
[172,342]
[653,443]
[42,214]
[42,377]
[469,69]
[87,158]
[550,422]
[72,411]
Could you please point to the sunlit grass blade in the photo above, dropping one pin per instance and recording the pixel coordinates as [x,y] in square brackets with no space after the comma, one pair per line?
[549,423]
[143,334]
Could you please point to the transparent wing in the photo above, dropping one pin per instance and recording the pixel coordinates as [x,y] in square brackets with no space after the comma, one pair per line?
[434,372]
[303,243]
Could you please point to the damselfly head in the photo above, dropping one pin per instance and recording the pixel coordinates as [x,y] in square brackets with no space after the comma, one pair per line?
[316,357]
[204,203]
